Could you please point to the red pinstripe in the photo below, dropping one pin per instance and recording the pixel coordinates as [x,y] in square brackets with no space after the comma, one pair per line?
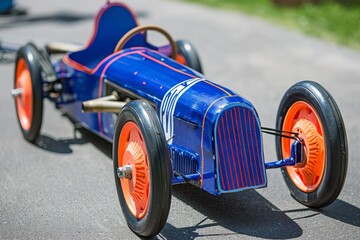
[202,138]
[109,64]
[101,12]
[231,149]
[228,159]
[236,145]
[250,140]
[83,68]
[241,144]
[219,162]
[166,65]
[259,159]
[218,87]
[245,155]
[102,79]
[249,161]
[251,172]
[253,150]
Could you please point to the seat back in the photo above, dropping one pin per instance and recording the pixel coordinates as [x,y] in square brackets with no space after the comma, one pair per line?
[112,22]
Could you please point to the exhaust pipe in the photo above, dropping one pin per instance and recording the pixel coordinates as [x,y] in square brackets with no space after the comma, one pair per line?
[109,103]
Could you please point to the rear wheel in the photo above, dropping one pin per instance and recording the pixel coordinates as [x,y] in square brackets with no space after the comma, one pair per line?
[28,92]
[188,55]
[142,168]
[308,109]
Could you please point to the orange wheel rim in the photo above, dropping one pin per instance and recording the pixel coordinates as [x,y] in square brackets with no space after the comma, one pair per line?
[24,102]
[303,119]
[132,151]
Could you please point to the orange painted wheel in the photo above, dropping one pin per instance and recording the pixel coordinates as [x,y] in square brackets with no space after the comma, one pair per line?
[132,152]
[28,92]
[309,110]
[303,119]
[142,168]
[24,102]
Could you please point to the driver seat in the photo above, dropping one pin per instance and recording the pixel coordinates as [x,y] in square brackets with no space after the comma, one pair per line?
[111,23]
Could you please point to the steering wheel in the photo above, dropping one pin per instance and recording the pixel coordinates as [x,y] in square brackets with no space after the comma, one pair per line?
[142,28]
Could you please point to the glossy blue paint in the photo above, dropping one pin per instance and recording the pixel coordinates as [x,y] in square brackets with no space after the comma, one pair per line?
[190,107]
[152,76]
[296,157]
[102,44]
[78,87]
[239,153]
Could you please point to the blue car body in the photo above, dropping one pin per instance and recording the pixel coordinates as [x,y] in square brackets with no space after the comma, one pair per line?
[214,135]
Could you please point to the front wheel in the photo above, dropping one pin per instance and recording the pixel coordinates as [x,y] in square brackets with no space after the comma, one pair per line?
[142,168]
[308,109]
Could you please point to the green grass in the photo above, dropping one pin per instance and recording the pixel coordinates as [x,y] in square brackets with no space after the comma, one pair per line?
[329,20]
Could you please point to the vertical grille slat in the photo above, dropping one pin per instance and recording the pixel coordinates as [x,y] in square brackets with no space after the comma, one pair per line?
[240,163]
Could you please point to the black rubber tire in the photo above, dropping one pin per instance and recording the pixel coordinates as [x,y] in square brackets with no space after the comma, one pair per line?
[188,51]
[144,116]
[29,54]
[336,155]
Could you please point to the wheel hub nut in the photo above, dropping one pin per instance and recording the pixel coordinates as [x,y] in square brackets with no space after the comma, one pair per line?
[16,92]
[124,172]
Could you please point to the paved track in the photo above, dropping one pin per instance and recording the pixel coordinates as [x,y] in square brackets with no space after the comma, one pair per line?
[64,188]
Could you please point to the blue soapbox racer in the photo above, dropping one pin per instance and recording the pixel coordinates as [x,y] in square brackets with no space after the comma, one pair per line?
[169,124]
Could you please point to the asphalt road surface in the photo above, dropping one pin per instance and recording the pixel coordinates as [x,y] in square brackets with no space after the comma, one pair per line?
[63,188]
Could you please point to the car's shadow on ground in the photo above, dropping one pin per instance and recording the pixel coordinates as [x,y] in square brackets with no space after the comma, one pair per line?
[80,136]
[343,212]
[246,213]
[63,146]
